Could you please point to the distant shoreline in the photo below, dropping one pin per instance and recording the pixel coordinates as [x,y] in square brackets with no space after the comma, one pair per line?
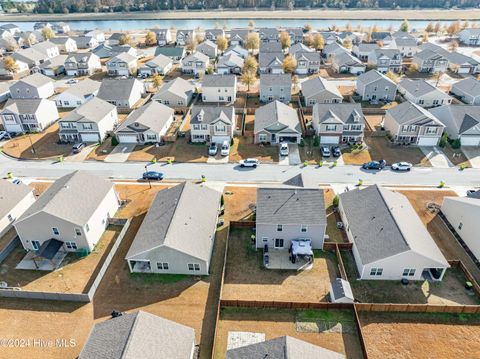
[316,14]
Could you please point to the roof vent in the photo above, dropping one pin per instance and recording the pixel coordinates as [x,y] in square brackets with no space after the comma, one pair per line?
[136,124]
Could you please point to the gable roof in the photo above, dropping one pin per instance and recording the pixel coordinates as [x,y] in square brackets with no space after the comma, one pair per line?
[123,57]
[275,80]
[458,118]
[266,59]
[176,220]
[152,116]
[383,223]
[159,61]
[420,88]
[318,84]
[80,188]
[374,75]
[340,112]
[276,116]
[10,195]
[93,110]
[408,111]
[299,47]
[210,114]
[23,105]
[230,60]
[469,86]
[176,51]
[290,206]
[139,335]
[178,87]
[82,89]
[196,56]
[118,89]
[35,80]
[219,80]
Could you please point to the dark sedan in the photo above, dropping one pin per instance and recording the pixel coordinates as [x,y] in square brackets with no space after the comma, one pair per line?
[374,165]
[152,176]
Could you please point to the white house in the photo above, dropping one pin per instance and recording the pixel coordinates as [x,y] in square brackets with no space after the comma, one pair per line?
[123,64]
[65,44]
[160,64]
[164,36]
[28,115]
[123,93]
[219,88]
[33,86]
[195,63]
[461,122]
[75,210]
[82,64]
[48,48]
[468,90]
[470,36]
[77,94]
[390,242]
[423,93]
[15,199]
[212,123]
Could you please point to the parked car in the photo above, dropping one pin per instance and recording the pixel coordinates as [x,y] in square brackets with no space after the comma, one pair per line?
[325,151]
[78,147]
[374,165]
[225,150]
[336,151]
[283,149]
[153,175]
[16,180]
[402,166]
[249,162]
[4,135]
[72,81]
[212,149]
[472,192]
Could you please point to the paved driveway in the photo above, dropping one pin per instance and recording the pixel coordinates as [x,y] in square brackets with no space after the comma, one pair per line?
[121,152]
[436,157]
[80,157]
[293,155]
[473,155]
[218,158]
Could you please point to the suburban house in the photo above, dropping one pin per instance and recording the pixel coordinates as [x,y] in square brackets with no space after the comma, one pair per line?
[164,36]
[77,94]
[470,36]
[97,34]
[208,48]
[54,217]
[139,335]
[238,50]
[329,37]
[338,122]
[175,53]
[318,90]
[15,199]
[21,71]
[284,215]
[31,87]
[123,93]
[462,64]
[123,64]
[52,67]
[147,124]
[276,122]
[176,93]
[86,42]
[89,122]
[177,234]
[275,87]
[386,60]
[390,242]
[285,347]
[195,63]
[468,90]
[49,49]
[271,62]
[299,47]
[405,43]
[160,64]
[114,39]
[212,124]
[105,51]
[461,122]
[30,56]
[219,88]
[4,91]
[307,62]
[212,34]
[270,47]
[28,115]
[65,44]
[185,36]
[423,93]
[238,36]
[375,86]
[230,64]
[345,62]
[82,64]
[295,34]
[430,61]
[363,50]
[331,50]
[268,34]
[410,123]
[12,28]
[463,213]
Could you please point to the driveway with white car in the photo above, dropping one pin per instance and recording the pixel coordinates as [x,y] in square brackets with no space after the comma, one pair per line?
[218,158]
[82,155]
[121,152]
[436,157]
[473,155]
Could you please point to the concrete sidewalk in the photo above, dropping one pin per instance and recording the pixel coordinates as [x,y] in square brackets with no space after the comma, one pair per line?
[121,152]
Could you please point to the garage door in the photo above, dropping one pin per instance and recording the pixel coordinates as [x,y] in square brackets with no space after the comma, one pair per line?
[427,141]
[127,138]
[470,141]
[90,137]
[220,139]
[329,140]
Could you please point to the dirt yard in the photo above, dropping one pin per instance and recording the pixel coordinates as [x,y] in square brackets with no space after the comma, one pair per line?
[100,152]
[421,335]
[239,203]
[277,322]
[246,279]
[381,148]
[243,147]
[178,151]
[457,157]
[356,156]
[373,121]
[334,234]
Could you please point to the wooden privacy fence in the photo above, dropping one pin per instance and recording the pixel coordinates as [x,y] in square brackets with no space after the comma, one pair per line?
[467,274]
[224,303]
[416,308]
[242,224]
[333,245]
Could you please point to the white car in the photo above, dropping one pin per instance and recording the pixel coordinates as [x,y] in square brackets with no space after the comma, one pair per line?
[72,81]
[402,166]
[283,149]
[225,149]
[249,162]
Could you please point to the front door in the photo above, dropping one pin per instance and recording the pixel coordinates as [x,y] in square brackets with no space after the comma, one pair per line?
[35,245]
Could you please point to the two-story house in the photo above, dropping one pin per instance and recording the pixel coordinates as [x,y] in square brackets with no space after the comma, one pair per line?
[28,115]
[423,93]
[195,64]
[430,61]
[468,90]
[212,124]
[213,34]
[276,123]
[268,34]
[237,50]
[375,86]
[164,36]
[82,64]
[48,48]
[307,62]
[65,44]
[362,50]
[230,64]
[86,42]
[160,64]
[123,64]
[33,86]
[185,36]
[295,34]
[386,60]
[238,36]
[176,93]
[345,62]
[219,88]
[405,43]
[208,48]
[338,123]
[77,94]
[319,90]
[89,122]
[470,36]
[271,62]
[123,93]
[275,87]
[410,123]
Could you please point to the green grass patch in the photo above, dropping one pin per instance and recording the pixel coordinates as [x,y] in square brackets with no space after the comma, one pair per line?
[152,278]
[312,315]
[329,255]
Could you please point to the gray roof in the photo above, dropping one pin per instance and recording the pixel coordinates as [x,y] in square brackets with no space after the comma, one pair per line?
[282,348]
[23,106]
[159,61]
[428,54]
[270,33]
[84,88]
[230,60]
[44,46]
[73,197]
[405,40]
[210,114]
[309,56]
[267,58]
[419,88]
[10,195]
[346,58]
[460,59]
[365,47]
[299,47]
[374,75]
[469,86]
[270,47]
[277,117]
[35,80]
[54,62]
[408,111]
[152,116]
[176,51]
[176,220]
[139,335]
[30,54]
[276,80]
[93,110]
[61,40]
[207,43]
[219,80]
[82,41]
[383,223]
[317,84]
[473,31]
[290,206]
[392,54]
[117,89]
[123,57]
[178,87]
[79,57]
[458,118]
[341,289]
[196,56]
[339,112]
[241,33]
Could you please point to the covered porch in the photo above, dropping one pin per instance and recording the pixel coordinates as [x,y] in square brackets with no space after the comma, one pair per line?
[47,258]
[139,266]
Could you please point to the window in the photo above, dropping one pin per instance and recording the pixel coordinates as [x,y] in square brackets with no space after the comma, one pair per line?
[10,218]
[409,272]
[376,271]
[151,137]
[303,228]
[421,102]
[431,130]
[87,126]
[78,232]
[356,127]
[193,266]
[87,227]
[279,227]
[460,225]
[35,245]
[196,127]
[71,246]
[204,127]
[330,127]
[55,231]
[162,266]
[262,137]
[278,242]
[264,239]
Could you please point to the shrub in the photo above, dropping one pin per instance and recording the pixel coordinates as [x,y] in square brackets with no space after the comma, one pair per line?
[316,141]
[456,144]
[302,143]
[335,201]
[114,141]
[443,140]
[231,141]
[442,184]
